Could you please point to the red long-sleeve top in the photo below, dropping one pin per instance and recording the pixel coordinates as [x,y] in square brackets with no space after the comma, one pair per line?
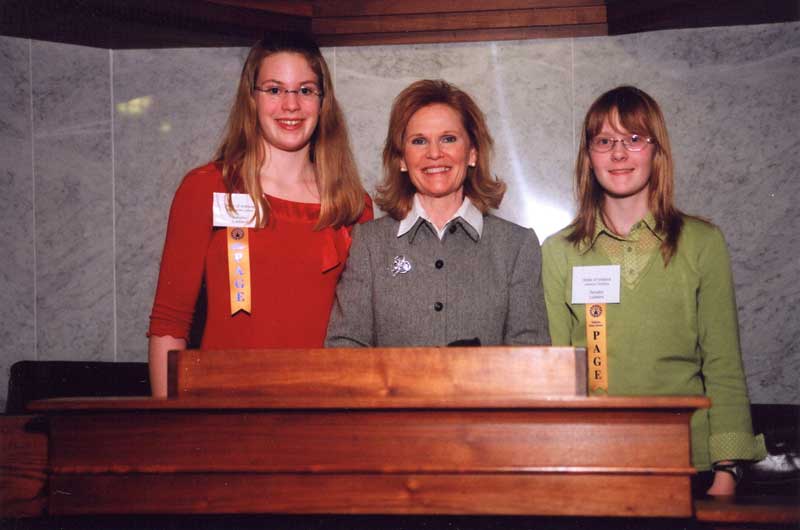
[294,271]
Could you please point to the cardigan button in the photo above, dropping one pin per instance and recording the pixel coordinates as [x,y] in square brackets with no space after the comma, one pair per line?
[453,229]
[439,264]
[438,306]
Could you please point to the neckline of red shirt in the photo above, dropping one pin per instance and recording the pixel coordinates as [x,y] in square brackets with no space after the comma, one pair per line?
[286,209]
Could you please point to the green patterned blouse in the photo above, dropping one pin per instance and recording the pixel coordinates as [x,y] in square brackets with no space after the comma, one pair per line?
[674,332]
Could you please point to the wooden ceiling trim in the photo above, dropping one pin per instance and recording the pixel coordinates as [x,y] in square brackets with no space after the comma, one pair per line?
[360,8]
[301,8]
[132,24]
[632,16]
[432,37]
[126,24]
[490,20]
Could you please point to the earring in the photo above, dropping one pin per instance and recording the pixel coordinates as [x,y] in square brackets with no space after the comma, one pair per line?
[472,164]
[403,169]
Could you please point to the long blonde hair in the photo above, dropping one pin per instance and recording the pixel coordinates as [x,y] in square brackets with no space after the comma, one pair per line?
[241,153]
[637,112]
[396,193]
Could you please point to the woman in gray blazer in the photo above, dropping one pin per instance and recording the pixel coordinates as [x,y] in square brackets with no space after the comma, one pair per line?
[438,269]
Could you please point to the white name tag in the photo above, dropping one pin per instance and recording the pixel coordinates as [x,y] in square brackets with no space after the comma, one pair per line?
[242,217]
[595,285]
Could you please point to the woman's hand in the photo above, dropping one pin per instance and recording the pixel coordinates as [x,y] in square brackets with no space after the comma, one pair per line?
[157,357]
[724,485]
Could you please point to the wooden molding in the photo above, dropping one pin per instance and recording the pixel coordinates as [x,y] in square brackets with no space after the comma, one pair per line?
[455,374]
[125,24]
[468,430]
[518,18]
[627,16]
[23,461]
[549,458]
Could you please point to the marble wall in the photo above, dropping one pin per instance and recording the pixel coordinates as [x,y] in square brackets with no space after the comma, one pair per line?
[94,143]
[18,256]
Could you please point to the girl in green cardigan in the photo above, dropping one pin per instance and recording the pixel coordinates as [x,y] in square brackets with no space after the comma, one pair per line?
[674,330]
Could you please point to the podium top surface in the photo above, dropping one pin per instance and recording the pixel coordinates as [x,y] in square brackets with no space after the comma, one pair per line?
[229,403]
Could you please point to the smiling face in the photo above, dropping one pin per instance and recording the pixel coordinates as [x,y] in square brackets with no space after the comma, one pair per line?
[287,120]
[621,173]
[437,151]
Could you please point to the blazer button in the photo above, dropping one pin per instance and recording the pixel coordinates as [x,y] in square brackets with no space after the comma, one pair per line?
[438,306]
[439,264]
[453,229]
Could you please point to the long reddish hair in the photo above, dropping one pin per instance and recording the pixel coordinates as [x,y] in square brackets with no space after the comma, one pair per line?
[638,113]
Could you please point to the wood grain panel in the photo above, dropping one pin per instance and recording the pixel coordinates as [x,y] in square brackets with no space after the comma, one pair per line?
[677,404]
[763,510]
[157,24]
[540,494]
[460,21]
[23,462]
[432,37]
[303,8]
[390,372]
[355,8]
[629,16]
[378,441]
[125,24]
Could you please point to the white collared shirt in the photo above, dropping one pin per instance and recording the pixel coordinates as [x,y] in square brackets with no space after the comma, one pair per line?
[467,212]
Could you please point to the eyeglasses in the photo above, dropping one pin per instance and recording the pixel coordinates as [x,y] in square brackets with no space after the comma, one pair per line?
[304,93]
[634,142]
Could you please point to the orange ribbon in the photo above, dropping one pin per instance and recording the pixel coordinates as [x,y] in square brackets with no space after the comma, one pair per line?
[239,269]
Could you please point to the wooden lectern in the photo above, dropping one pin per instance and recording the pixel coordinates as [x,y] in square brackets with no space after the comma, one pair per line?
[505,430]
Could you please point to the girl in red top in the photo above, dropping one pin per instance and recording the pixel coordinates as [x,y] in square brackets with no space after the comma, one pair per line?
[286,153]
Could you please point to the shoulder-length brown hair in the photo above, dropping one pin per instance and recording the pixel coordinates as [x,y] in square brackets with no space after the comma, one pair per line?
[638,113]
[242,152]
[396,192]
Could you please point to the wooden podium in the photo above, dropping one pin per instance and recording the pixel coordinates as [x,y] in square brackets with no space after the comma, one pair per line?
[357,431]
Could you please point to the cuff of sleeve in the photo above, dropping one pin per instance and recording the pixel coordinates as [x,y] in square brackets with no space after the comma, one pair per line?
[164,329]
[736,446]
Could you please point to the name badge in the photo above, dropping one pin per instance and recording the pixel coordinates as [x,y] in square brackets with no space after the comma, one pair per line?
[243,217]
[595,285]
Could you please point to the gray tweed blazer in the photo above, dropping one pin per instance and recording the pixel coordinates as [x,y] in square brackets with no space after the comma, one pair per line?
[417,290]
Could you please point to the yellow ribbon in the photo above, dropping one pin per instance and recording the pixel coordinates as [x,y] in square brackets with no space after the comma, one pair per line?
[596,347]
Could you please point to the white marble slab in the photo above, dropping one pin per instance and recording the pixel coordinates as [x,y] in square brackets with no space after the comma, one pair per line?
[74,202]
[170,108]
[17,260]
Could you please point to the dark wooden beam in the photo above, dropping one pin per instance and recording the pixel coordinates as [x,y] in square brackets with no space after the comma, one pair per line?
[364,8]
[632,16]
[300,8]
[121,24]
[492,34]
[125,24]
[486,20]
[417,21]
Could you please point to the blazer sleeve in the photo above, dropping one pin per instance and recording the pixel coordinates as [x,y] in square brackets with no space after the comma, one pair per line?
[352,317]
[526,322]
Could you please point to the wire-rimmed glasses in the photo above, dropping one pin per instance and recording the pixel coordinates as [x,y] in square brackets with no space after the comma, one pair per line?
[631,142]
[304,93]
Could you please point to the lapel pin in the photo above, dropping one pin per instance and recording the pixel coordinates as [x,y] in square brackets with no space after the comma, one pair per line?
[400,265]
